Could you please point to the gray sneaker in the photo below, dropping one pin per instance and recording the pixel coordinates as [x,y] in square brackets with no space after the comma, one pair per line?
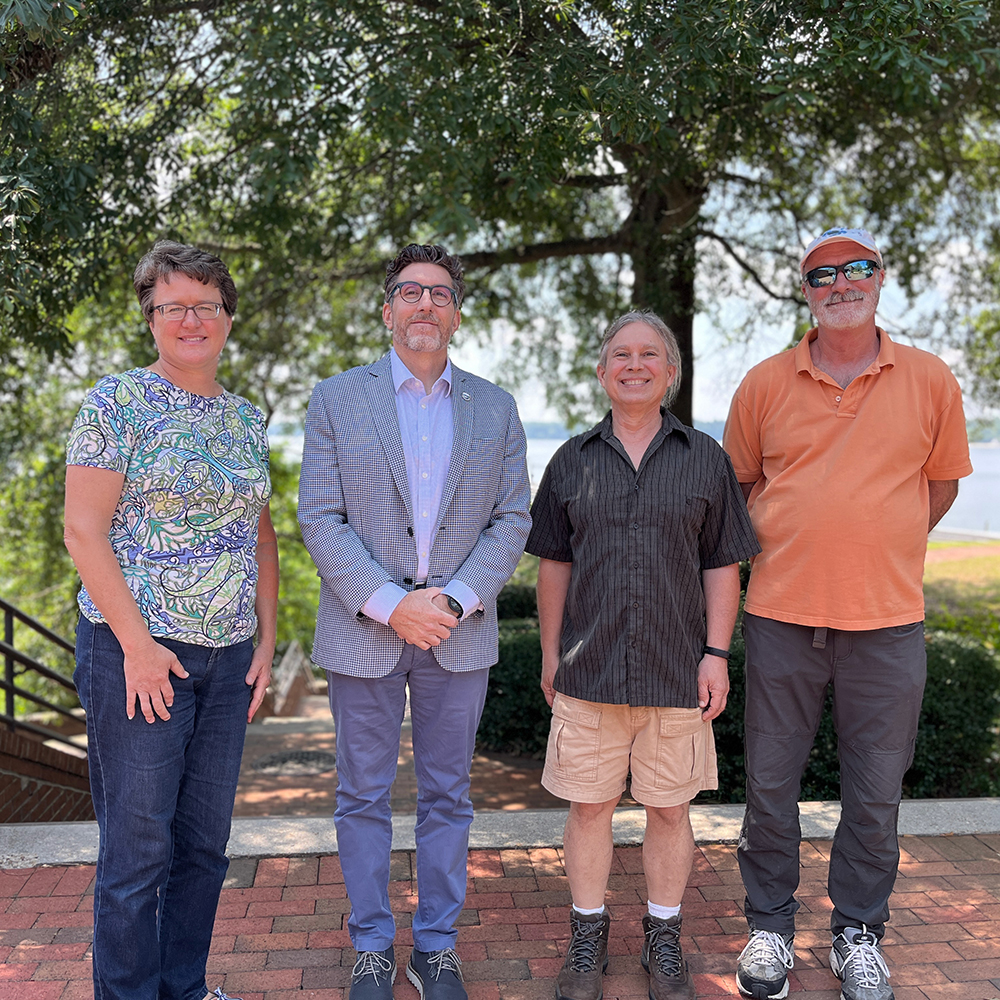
[860,966]
[762,970]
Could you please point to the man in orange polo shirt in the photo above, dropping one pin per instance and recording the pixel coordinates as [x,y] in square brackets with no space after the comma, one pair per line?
[848,449]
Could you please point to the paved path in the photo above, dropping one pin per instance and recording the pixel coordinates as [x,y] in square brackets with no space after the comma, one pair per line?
[280,931]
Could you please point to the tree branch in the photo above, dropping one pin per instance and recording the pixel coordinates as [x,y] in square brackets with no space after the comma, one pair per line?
[492,260]
[594,180]
[757,279]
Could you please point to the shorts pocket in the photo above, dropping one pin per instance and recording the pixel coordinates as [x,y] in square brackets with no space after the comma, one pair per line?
[574,746]
[681,749]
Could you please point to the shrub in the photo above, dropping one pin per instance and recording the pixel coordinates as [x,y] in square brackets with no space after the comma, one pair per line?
[958,742]
[957,747]
[517,600]
[516,715]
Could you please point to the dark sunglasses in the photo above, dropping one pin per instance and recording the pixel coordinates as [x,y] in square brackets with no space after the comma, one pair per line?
[856,270]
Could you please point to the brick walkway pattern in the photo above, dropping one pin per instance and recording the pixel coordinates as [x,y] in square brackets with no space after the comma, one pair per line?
[281,930]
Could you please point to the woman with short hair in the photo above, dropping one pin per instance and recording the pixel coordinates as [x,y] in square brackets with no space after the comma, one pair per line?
[167,520]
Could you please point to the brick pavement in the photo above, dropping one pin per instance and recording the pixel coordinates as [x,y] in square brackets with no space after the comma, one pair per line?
[280,933]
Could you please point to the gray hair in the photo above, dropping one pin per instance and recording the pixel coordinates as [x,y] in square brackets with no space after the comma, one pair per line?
[648,318]
[426,253]
[167,258]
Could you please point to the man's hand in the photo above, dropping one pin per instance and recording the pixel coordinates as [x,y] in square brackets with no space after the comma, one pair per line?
[550,664]
[419,621]
[258,677]
[147,677]
[713,685]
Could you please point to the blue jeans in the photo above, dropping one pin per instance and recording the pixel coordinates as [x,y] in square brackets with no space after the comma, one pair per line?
[163,795]
[445,708]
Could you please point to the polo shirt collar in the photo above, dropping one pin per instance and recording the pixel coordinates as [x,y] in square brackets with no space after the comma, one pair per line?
[605,429]
[803,359]
[401,374]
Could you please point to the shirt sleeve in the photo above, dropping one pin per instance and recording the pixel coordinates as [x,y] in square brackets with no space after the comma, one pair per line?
[741,440]
[949,457]
[101,436]
[551,530]
[727,535]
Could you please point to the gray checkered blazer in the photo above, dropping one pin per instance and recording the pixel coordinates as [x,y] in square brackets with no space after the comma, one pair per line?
[357,520]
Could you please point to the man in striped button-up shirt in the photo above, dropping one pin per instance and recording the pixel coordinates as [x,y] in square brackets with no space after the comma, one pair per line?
[640,524]
[414,506]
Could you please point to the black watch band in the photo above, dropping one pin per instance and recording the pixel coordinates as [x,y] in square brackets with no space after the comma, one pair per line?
[455,606]
[714,651]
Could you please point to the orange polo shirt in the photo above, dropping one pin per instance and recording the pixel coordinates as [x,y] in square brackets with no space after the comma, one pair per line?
[840,502]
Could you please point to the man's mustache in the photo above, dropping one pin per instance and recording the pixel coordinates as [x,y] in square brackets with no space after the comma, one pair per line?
[845,297]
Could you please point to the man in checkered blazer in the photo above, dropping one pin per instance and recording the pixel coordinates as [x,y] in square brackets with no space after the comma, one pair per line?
[413,503]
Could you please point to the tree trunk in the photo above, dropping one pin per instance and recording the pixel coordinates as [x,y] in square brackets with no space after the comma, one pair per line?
[663,260]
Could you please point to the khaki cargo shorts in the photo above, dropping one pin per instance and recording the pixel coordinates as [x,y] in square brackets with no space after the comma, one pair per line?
[592,747]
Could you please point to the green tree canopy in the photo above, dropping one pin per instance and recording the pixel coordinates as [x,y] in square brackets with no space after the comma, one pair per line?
[583,156]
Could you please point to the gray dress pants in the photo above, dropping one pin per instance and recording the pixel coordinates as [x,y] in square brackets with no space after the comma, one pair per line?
[877,678]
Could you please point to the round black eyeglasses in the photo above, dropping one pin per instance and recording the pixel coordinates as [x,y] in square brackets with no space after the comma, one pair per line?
[412,292]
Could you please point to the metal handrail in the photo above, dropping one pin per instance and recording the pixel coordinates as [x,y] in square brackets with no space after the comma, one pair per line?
[37,626]
[38,700]
[39,668]
[12,656]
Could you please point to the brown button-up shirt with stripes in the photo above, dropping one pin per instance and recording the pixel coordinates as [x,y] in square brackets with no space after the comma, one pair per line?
[634,626]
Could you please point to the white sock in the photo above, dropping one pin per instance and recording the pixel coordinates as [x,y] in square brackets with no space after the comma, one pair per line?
[662,912]
[587,913]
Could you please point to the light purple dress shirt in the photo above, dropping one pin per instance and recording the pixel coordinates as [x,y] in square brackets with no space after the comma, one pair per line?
[425,425]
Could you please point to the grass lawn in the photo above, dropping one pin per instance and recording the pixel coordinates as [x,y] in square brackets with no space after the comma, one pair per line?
[964,593]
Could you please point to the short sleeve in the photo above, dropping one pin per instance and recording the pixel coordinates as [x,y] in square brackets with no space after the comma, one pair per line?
[741,440]
[101,436]
[727,535]
[551,529]
[949,457]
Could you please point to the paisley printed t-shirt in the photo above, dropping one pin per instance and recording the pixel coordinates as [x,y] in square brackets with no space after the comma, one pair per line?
[196,480]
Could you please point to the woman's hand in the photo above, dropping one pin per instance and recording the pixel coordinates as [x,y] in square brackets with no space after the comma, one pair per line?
[259,677]
[147,677]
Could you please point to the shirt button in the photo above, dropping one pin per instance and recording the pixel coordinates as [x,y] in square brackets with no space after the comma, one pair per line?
[423,406]
[635,604]
[425,475]
[838,399]
[424,514]
[424,438]
[635,526]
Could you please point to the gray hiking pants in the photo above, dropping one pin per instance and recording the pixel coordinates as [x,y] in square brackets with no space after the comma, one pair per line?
[877,679]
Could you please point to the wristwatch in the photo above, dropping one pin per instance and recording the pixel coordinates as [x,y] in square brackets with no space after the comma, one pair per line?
[454,606]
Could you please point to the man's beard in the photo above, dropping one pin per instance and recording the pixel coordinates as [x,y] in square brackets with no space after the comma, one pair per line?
[420,341]
[859,310]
